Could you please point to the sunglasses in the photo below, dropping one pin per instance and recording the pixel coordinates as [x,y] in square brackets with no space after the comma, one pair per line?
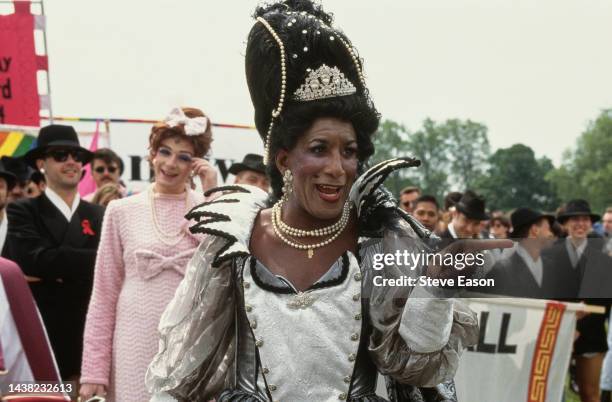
[101,169]
[61,155]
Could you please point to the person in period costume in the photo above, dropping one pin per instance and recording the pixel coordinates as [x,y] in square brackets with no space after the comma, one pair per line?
[54,238]
[144,249]
[251,171]
[524,273]
[279,303]
[582,272]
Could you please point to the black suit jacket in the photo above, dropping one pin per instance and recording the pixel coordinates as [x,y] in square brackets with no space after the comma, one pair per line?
[513,278]
[591,282]
[61,253]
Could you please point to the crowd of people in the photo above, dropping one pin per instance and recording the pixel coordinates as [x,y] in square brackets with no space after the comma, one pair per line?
[198,295]
[566,255]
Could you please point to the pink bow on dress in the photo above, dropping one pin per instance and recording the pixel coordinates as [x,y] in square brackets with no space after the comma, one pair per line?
[151,264]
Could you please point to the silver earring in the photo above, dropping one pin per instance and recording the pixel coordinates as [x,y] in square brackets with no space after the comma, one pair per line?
[287,183]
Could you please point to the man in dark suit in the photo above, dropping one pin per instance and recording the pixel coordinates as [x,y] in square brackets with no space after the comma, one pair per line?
[584,272]
[524,273]
[466,217]
[54,239]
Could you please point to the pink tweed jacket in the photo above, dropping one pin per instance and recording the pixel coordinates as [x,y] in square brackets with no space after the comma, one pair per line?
[136,276]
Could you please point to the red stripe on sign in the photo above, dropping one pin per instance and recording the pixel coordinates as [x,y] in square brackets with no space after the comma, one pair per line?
[544,350]
[42,63]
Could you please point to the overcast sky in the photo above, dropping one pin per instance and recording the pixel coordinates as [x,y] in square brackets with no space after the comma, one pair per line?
[533,71]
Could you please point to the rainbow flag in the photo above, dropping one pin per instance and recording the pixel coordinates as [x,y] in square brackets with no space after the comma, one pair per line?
[15,143]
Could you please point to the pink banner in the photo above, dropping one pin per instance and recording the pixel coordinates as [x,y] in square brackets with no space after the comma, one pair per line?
[19,100]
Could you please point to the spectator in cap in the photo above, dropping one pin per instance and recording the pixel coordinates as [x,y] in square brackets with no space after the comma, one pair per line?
[106,168]
[525,273]
[7,183]
[407,197]
[251,171]
[54,239]
[426,211]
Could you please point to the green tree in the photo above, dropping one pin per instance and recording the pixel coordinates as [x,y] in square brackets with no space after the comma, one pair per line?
[429,145]
[586,172]
[468,147]
[515,178]
[390,142]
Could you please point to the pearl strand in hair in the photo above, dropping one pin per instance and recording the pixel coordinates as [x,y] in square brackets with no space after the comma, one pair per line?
[275,112]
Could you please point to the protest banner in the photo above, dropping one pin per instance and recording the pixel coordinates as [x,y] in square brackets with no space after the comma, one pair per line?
[20,101]
[522,354]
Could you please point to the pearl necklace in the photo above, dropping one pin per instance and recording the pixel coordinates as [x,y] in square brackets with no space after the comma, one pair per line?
[276,225]
[295,232]
[172,239]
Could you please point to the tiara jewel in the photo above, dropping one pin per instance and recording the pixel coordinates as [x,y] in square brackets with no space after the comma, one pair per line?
[324,82]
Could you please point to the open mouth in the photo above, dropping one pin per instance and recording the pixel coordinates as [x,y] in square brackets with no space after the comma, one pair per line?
[168,175]
[71,172]
[328,192]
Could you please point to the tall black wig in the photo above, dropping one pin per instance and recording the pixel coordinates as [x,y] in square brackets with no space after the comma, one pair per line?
[308,40]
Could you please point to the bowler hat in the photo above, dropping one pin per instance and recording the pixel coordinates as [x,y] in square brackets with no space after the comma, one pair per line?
[10,178]
[578,207]
[523,217]
[55,135]
[250,162]
[472,206]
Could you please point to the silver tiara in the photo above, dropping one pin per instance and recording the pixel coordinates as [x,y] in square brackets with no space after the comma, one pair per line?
[324,82]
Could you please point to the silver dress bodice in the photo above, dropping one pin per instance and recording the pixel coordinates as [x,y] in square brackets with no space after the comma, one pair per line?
[333,328]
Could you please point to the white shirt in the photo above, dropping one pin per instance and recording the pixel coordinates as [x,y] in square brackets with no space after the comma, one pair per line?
[535,267]
[575,252]
[451,230]
[3,229]
[61,204]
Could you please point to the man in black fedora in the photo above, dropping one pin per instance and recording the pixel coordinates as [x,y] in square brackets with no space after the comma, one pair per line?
[251,171]
[54,238]
[524,273]
[21,170]
[7,182]
[583,273]
[466,217]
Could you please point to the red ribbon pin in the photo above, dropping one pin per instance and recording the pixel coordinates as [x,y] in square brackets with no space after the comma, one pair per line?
[87,230]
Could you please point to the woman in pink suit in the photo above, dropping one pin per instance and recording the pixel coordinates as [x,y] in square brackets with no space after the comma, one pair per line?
[144,249]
